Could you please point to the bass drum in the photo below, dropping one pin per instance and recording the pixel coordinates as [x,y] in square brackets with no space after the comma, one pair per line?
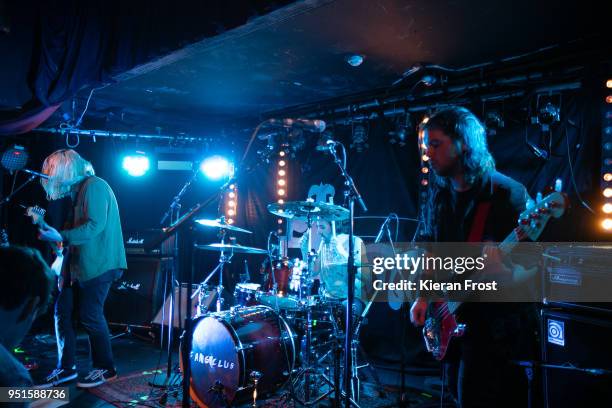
[229,347]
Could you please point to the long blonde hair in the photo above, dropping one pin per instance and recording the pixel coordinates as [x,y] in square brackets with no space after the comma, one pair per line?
[65,168]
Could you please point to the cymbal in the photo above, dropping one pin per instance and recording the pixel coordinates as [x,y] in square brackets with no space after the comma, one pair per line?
[218,223]
[315,210]
[231,248]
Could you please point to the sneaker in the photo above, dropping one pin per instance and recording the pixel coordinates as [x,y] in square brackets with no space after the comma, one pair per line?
[97,377]
[59,376]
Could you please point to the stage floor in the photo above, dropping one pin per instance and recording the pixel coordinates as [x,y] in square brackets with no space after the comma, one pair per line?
[139,361]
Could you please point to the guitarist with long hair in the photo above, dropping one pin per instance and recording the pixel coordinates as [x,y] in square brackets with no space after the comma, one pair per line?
[95,256]
[470,201]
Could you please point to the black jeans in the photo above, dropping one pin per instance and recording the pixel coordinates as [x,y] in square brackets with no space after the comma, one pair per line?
[88,297]
[479,370]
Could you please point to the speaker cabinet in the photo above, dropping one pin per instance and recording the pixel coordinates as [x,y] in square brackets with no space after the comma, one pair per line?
[134,299]
[576,342]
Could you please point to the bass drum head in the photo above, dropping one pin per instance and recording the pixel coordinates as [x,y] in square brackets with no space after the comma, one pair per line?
[214,358]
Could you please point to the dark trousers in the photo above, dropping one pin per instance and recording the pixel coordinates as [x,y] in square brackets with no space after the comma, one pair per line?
[88,299]
[480,370]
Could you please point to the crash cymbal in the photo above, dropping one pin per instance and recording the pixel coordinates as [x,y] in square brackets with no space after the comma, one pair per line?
[315,210]
[231,248]
[219,223]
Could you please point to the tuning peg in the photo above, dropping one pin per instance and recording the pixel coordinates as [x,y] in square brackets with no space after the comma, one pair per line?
[558,185]
[539,197]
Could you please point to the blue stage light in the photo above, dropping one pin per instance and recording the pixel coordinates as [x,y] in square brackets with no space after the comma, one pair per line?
[136,165]
[216,168]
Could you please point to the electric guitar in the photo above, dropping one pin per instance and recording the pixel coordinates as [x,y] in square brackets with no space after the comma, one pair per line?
[37,214]
[440,322]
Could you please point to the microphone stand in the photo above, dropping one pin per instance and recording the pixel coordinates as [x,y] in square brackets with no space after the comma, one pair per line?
[352,194]
[18,189]
[188,332]
[173,212]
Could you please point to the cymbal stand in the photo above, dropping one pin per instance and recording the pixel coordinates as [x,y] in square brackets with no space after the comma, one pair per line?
[223,259]
[173,212]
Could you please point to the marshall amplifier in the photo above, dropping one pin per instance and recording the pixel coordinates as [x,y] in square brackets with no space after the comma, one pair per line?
[134,299]
[135,242]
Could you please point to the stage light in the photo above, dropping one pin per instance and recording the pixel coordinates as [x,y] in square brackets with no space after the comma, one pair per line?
[281,153]
[607,224]
[609,99]
[609,83]
[607,177]
[281,192]
[230,221]
[231,203]
[607,192]
[425,170]
[282,163]
[232,194]
[232,187]
[354,60]
[425,158]
[14,158]
[359,138]
[280,201]
[281,182]
[280,221]
[281,173]
[607,208]
[279,231]
[231,213]
[424,182]
[136,165]
[216,168]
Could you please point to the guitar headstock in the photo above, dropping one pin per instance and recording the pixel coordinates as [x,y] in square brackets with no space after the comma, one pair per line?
[533,220]
[37,213]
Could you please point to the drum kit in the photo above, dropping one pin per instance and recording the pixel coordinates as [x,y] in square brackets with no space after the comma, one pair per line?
[283,332]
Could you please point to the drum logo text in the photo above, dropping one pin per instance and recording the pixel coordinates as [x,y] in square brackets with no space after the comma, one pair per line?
[211,361]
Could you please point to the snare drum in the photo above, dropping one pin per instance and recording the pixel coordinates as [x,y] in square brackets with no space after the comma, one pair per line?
[228,346]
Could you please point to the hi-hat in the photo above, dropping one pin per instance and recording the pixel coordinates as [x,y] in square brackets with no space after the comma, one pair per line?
[231,248]
[313,210]
[220,223]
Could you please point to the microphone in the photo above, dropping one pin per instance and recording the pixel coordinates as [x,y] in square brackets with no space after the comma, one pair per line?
[313,125]
[329,144]
[35,173]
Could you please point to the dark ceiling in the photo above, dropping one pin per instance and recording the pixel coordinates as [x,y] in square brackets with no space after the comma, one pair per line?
[299,57]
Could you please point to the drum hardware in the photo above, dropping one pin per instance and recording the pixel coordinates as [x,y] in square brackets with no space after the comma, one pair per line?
[255,376]
[222,248]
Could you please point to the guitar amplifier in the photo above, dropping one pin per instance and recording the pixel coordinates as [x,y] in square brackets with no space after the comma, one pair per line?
[135,242]
[578,277]
[577,345]
[134,299]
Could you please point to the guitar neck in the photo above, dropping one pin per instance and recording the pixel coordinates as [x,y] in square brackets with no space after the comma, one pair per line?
[506,247]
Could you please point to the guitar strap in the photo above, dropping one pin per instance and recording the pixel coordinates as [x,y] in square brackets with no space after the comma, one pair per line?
[480,219]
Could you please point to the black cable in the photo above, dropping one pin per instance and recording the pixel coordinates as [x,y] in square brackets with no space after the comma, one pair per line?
[569,161]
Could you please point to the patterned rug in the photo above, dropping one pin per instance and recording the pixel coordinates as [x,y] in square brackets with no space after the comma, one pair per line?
[133,390]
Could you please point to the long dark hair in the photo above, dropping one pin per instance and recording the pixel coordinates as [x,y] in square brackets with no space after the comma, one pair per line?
[464,129]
